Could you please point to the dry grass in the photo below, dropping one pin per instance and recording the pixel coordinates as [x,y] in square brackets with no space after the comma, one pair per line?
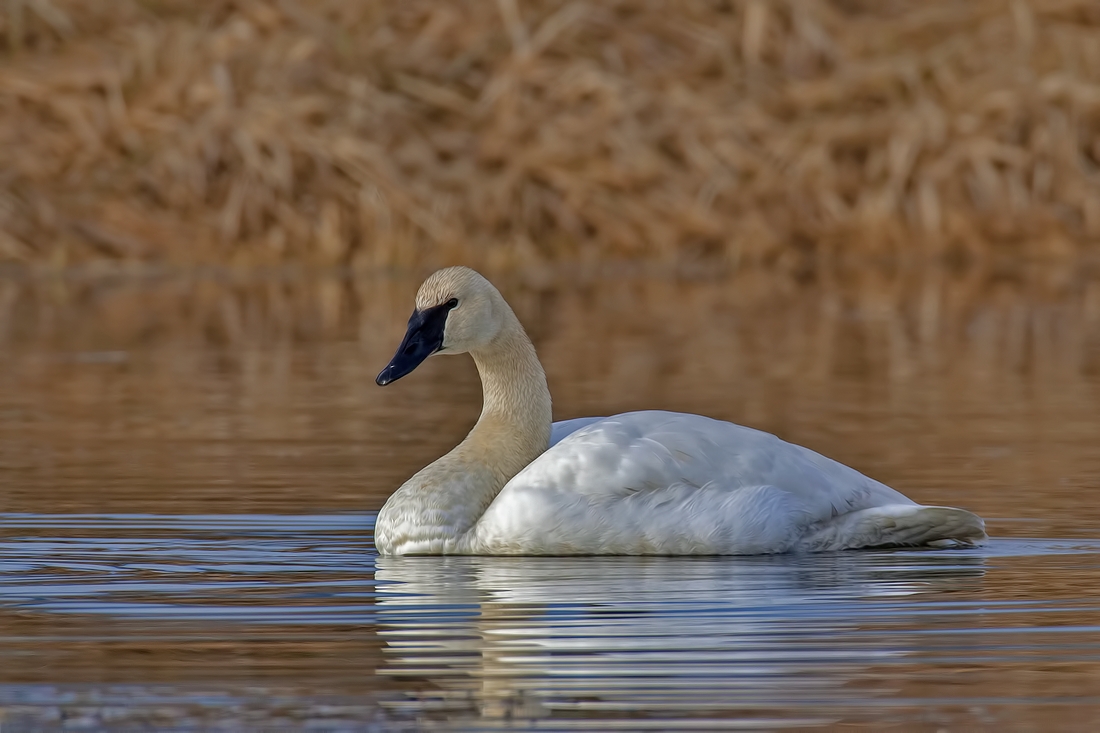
[417,133]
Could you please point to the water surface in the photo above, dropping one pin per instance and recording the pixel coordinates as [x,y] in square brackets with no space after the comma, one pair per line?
[192,469]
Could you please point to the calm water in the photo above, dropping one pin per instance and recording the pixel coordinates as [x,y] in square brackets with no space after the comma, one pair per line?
[191,469]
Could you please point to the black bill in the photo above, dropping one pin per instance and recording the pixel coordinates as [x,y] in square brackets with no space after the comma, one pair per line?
[423,337]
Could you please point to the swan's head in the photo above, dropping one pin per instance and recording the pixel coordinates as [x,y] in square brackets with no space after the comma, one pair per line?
[457,310]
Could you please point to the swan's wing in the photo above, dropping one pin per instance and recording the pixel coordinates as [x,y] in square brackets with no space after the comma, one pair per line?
[651,450]
[564,428]
[670,479]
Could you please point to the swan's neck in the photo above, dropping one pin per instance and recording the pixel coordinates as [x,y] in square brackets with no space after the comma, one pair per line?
[514,427]
[435,509]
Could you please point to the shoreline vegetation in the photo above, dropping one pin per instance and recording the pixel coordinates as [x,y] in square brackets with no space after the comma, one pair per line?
[508,135]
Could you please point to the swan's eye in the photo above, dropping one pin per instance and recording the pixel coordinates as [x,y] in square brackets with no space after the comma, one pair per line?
[452,303]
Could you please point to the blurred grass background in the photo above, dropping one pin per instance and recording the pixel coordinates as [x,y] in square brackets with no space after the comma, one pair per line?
[519,134]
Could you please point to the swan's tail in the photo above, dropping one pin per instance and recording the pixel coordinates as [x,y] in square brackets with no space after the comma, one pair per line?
[894,525]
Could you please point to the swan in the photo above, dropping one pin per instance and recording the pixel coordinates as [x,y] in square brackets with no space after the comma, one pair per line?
[638,483]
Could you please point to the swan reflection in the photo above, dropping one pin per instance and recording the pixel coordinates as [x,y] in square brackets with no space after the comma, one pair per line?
[672,638]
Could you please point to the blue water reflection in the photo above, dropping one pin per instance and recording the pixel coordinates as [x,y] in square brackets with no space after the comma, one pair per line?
[344,638]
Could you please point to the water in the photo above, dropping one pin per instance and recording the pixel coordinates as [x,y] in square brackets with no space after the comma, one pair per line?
[192,470]
[192,620]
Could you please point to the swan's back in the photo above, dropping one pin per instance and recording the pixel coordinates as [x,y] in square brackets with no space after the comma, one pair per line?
[562,429]
[670,483]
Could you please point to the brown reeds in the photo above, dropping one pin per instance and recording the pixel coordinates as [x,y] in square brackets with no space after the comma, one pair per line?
[419,133]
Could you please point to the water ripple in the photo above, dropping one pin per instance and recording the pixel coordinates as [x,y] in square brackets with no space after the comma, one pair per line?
[192,609]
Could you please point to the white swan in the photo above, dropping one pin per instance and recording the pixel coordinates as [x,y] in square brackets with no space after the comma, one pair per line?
[640,483]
